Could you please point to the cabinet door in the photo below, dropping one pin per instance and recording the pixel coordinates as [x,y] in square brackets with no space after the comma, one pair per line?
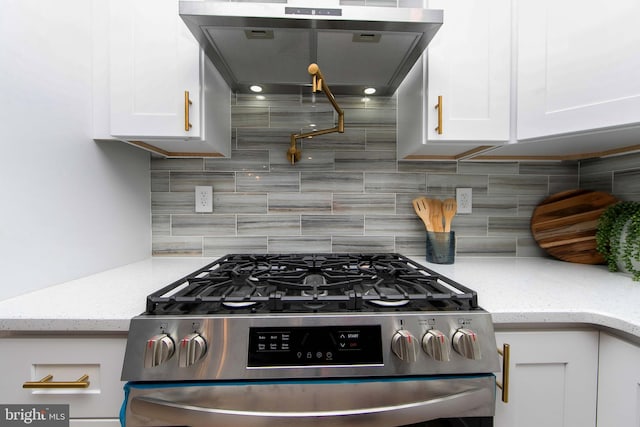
[618,383]
[67,359]
[469,65]
[154,60]
[553,379]
[578,63]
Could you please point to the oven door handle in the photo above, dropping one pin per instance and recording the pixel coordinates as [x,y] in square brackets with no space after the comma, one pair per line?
[453,405]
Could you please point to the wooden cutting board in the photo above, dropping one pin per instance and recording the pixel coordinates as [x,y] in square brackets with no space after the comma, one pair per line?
[565,224]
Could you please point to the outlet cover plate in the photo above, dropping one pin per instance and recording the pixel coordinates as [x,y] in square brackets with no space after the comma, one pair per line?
[464,199]
[204,199]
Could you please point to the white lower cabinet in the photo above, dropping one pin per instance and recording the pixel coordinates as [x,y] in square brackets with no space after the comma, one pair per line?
[553,379]
[31,359]
[619,383]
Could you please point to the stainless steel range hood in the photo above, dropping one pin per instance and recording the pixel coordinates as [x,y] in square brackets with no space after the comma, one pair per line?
[273,43]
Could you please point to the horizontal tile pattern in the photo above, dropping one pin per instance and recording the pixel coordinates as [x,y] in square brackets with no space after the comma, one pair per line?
[269,225]
[393,225]
[239,203]
[333,182]
[218,246]
[488,168]
[240,160]
[187,181]
[160,181]
[626,182]
[161,225]
[446,183]
[563,183]
[531,184]
[312,160]
[608,164]
[381,139]
[176,246]
[353,194]
[549,168]
[394,182]
[268,181]
[306,244]
[307,203]
[176,164]
[349,161]
[433,167]
[264,139]
[363,203]
[203,225]
[173,203]
[353,139]
[321,225]
[601,181]
[364,244]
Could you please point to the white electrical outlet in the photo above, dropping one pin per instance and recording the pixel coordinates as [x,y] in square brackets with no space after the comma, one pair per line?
[204,199]
[464,198]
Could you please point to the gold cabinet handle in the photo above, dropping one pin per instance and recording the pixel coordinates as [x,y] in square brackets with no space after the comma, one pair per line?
[82,382]
[506,360]
[187,104]
[439,108]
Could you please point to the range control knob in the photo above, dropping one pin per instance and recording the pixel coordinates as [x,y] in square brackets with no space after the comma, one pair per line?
[192,349]
[404,345]
[465,342]
[436,345]
[159,349]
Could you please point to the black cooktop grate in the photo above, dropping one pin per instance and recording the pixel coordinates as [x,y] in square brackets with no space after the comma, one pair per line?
[302,283]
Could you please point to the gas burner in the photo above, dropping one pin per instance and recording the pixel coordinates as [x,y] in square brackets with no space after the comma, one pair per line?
[302,283]
[386,297]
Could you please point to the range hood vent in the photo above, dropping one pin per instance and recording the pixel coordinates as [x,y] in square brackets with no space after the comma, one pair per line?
[271,44]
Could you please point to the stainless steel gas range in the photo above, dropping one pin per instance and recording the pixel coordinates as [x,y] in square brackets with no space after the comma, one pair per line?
[311,340]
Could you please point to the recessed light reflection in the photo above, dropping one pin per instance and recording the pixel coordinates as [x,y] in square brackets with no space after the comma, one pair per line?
[260,97]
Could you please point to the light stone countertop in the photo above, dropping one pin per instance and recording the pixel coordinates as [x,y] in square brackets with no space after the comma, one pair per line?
[516,291]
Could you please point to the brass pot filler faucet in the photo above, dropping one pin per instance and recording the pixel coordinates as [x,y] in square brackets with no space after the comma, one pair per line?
[293,153]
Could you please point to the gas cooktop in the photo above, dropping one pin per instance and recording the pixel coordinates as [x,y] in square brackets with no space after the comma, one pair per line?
[316,283]
[258,316]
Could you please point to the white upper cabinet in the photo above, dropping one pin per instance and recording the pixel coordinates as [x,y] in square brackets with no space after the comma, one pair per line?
[165,95]
[578,66]
[154,60]
[469,66]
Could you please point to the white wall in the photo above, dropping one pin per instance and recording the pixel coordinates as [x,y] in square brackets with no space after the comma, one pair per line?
[69,206]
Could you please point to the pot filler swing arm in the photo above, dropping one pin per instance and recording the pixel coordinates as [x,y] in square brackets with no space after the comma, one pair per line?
[318,84]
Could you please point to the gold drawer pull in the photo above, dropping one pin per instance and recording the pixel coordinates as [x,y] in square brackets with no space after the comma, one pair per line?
[439,108]
[506,359]
[187,103]
[82,382]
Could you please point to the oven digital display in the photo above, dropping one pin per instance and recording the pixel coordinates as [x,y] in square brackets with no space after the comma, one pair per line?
[317,345]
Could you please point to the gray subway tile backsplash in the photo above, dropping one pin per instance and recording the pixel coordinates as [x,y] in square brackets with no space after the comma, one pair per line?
[353,194]
[364,203]
[300,203]
[203,225]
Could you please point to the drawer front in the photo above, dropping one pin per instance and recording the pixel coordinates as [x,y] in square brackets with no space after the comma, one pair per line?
[66,360]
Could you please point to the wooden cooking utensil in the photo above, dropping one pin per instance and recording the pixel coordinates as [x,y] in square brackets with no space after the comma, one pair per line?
[435,206]
[449,209]
[421,206]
